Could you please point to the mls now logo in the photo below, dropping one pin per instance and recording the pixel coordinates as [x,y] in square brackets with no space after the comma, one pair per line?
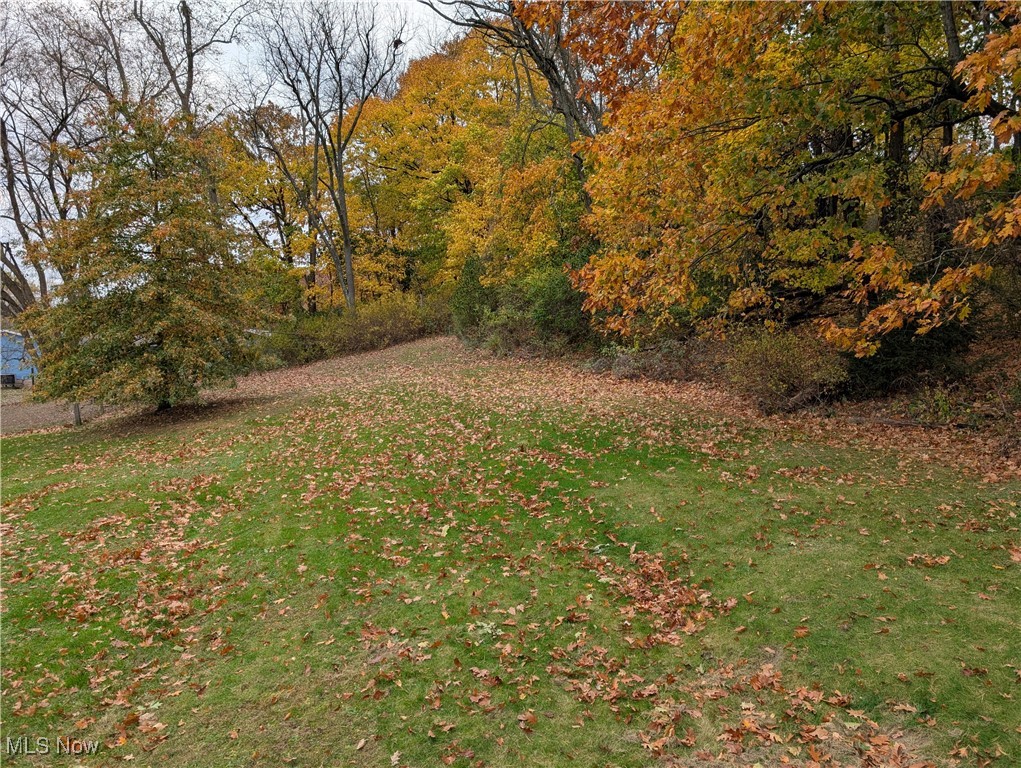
[24,745]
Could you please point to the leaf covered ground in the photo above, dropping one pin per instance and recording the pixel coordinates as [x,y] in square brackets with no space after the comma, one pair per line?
[429,557]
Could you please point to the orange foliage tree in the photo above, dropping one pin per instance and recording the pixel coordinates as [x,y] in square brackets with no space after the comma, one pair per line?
[791,162]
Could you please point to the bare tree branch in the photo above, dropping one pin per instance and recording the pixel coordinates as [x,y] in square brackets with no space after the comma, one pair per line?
[328,59]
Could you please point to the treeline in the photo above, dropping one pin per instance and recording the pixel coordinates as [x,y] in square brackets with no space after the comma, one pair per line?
[832,187]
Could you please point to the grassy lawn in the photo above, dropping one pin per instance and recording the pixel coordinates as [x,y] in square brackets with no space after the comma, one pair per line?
[425,557]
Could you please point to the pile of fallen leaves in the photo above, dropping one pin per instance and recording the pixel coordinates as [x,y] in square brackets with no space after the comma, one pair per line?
[671,604]
[816,728]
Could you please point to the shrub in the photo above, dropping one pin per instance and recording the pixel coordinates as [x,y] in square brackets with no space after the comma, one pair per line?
[541,311]
[556,308]
[784,371]
[434,309]
[506,330]
[665,359]
[509,327]
[683,359]
[905,361]
[935,405]
[470,301]
[622,361]
[392,320]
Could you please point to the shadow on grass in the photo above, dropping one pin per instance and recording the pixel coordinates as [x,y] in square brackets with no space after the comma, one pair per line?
[140,421]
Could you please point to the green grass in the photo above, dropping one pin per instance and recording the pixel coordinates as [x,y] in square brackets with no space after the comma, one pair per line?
[438,560]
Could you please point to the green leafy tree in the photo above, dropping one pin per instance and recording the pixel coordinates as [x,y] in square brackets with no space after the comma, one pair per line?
[152,305]
[471,300]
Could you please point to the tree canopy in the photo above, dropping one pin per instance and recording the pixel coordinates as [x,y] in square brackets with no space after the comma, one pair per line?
[846,169]
[150,308]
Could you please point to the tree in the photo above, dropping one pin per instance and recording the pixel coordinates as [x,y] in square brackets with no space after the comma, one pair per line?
[150,308]
[463,162]
[272,168]
[64,64]
[537,34]
[181,42]
[775,170]
[45,110]
[328,59]
[16,293]
[430,149]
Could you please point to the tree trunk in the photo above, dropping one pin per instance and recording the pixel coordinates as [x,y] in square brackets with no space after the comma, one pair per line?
[348,278]
[896,178]
[310,279]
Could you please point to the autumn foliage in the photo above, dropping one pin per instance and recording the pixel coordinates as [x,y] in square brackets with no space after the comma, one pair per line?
[151,306]
[846,172]
[826,163]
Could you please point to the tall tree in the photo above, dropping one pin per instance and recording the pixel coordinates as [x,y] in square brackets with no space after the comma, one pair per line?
[460,163]
[540,37]
[181,41]
[65,64]
[276,187]
[46,107]
[327,59]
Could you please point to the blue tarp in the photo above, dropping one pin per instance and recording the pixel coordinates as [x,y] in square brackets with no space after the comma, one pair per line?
[13,357]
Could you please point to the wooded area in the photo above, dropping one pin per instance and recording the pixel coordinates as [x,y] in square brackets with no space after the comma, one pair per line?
[837,180]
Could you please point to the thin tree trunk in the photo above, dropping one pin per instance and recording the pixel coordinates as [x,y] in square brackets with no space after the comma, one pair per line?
[310,284]
[348,279]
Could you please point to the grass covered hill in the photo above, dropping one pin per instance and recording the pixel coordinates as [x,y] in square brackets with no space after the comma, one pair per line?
[427,557]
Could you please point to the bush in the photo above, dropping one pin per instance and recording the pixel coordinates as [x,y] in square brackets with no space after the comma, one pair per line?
[935,405]
[391,320]
[509,327]
[905,361]
[541,310]
[556,308]
[784,371]
[434,309]
[470,301]
[664,359]
[506,330]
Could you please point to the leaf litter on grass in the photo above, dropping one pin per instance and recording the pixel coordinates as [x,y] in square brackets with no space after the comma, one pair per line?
[439,520]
